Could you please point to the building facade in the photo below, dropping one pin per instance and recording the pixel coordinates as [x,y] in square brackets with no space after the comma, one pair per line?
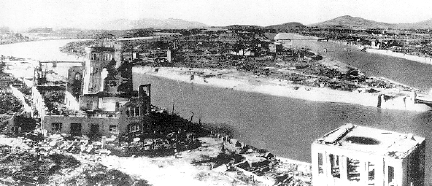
[363,156]
[99,99]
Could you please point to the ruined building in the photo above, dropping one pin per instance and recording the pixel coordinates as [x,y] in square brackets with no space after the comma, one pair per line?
[357,155]
[98,99]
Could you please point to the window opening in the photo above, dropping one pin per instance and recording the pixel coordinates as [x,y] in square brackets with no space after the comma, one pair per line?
[335,166]
[371,173]
[390,171]
[320,163]
[353,169]
[56,127]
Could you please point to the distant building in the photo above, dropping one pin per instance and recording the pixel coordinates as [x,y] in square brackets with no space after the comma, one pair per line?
[285,39]
[6,79]
[41,30]
[275,47]
[375,44]
[153,56]
[357,155]
[166,34]
[244,52]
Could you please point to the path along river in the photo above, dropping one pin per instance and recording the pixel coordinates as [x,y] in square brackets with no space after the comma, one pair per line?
[282,125]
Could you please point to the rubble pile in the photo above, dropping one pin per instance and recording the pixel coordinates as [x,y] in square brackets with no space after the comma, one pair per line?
[252,165]
[100,175]
[21,166]
[156,147]
[57,160]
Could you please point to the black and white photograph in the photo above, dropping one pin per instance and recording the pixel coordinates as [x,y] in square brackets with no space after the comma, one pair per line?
[216,92]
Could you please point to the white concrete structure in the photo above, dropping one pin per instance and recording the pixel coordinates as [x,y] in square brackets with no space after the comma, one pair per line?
[357,155]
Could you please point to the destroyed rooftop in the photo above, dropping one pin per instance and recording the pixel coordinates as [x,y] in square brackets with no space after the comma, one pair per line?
[372,141]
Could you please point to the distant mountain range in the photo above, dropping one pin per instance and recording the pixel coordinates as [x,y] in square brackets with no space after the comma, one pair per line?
[126,24]
[281,27]
[361,23]
[345,21]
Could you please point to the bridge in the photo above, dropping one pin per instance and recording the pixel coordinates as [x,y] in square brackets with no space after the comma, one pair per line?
[54,63]
[425,99]
[61,61]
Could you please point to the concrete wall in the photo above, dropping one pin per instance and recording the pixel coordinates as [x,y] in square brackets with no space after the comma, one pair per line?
[109,103]
[96,61]
[88,102]
[122,120]
[415,166]
[144,93]
[103,122]
[381,164]
[38,102]
[401,103]
[74,81]
[93,102]
[71,102]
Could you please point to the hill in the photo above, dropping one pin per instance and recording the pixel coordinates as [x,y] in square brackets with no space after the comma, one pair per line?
[287,26]
[418,25]
[353,23]
[125,24]
[242,27]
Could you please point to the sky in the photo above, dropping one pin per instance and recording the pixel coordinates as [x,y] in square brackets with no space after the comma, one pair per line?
[22,14]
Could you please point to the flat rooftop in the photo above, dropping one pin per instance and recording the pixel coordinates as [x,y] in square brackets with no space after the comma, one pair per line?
[371,141]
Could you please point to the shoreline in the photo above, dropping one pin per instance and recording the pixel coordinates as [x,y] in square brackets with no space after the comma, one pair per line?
[424,60]
[218,161]
[235,80]
[419,59]
[162,170]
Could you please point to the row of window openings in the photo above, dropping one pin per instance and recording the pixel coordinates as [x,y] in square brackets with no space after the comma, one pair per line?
[104,57]
[57,127]
[132,111]
[353,168]
[134,128]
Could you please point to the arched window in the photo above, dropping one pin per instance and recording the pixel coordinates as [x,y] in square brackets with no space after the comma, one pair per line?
[77,76]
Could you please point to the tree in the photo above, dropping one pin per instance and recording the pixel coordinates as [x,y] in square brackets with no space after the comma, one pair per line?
[2,65]
[9,103]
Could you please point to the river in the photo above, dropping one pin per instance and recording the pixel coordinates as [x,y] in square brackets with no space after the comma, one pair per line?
[407,72]
[46,50]
[282,125]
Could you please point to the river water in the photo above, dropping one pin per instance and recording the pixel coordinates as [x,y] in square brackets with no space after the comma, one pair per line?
[282,125]
[408,72]
[47,50]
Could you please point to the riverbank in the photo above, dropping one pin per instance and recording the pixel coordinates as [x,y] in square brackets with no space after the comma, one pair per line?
[420,59]
[241,81]
[219,160]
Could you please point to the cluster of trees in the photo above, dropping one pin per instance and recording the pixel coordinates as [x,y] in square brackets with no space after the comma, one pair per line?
[54,101]
[9,103]
[77,48]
